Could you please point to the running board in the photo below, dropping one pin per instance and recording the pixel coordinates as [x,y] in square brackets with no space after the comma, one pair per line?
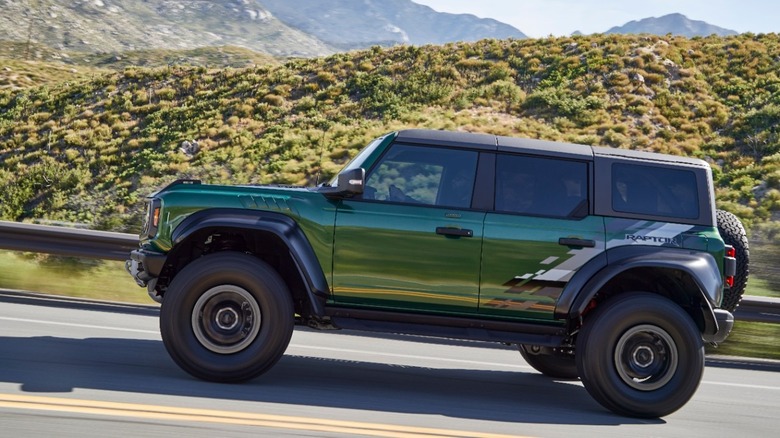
[446,327]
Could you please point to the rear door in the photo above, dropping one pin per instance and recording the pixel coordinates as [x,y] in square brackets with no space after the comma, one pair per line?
[538,235]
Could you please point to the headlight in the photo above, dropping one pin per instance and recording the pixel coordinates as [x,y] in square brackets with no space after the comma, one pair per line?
[151,218]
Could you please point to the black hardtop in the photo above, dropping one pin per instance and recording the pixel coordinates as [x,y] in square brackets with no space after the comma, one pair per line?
[605,152]
[448,138]
[494,143]
[545,147]
[490,142]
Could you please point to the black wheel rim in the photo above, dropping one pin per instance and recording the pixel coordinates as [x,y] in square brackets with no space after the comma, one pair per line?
[226,319]
[646,357]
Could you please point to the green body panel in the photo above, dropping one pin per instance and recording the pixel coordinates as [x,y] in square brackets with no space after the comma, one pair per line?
[389,256]
[313,212]
[623,232]
[627,232]
[524,268]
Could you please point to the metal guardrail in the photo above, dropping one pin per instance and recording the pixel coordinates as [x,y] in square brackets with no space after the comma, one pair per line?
[117,246]
[65,241]
[758,309]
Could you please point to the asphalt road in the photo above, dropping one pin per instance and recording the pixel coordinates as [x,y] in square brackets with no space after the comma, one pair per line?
[80,370]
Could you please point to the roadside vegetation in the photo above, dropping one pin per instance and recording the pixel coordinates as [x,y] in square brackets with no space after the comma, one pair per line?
[74,277]
[750,339]
[86,141]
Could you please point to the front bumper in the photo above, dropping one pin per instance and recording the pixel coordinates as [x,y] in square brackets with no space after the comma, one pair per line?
[145,267]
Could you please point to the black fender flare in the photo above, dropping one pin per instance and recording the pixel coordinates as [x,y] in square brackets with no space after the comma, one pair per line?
[588,281]
[285,228]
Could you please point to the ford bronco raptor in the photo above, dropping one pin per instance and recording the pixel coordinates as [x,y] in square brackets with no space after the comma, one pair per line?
[601,264]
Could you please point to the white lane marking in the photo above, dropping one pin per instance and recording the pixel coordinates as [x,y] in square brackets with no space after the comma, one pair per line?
[742,385]
[70,324]
[409,356]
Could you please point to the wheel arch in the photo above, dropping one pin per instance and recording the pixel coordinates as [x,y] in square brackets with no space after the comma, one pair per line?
[273,237]
[685,277]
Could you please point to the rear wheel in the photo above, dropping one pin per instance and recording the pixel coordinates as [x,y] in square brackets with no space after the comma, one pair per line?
[733,233]
[550,362]
[640,355]
[226,317]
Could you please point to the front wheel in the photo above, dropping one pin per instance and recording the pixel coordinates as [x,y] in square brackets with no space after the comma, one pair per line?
[640,355]
[226,317]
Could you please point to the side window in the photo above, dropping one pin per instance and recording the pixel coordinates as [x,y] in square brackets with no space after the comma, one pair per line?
[655,191]
[541,186]
[423,175]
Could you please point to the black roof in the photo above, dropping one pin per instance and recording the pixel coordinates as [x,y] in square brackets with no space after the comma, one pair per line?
[448,138]
[533,146]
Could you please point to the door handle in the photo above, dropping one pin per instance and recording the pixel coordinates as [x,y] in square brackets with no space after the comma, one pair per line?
[573,241]
[458,232]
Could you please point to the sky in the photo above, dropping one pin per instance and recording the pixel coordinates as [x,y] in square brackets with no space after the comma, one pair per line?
[541,18]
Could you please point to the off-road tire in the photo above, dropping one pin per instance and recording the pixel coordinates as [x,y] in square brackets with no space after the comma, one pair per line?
[551,363]
[733,233]
[226,317]
[640,355]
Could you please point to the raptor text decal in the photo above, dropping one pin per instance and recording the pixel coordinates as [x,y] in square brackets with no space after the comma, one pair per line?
[630,232]
[673,241]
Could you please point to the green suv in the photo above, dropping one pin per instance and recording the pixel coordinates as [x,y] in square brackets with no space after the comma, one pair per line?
[601,264]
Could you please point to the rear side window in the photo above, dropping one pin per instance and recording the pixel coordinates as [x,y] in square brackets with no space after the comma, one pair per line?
[541,186]
[654,191]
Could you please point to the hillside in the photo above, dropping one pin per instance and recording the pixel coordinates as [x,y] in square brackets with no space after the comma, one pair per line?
[15,74]
[48,66]
[101,26]
[89,151]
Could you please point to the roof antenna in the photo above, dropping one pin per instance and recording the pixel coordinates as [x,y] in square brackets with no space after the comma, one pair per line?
[319,164]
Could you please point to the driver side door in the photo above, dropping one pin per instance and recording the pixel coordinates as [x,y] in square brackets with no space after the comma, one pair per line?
[411,241]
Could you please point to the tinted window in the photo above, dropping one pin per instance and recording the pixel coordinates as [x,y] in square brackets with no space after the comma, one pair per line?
[423,175]
[541,186]
[656,191]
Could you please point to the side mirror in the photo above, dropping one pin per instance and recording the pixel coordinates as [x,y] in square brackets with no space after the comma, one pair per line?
[349,183]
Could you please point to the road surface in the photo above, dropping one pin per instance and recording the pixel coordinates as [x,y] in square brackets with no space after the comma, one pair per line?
[79,370]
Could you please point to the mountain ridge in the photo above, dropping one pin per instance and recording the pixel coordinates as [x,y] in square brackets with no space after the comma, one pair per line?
[115,26]
[675,24]
[309,28]
[305,28]
[393,21]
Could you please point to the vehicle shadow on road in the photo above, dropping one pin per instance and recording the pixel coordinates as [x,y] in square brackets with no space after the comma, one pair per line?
[61,365]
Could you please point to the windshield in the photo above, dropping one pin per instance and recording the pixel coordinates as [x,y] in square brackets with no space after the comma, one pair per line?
[358,160]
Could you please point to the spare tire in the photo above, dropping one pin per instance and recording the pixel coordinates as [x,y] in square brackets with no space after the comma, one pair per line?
[733,233]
